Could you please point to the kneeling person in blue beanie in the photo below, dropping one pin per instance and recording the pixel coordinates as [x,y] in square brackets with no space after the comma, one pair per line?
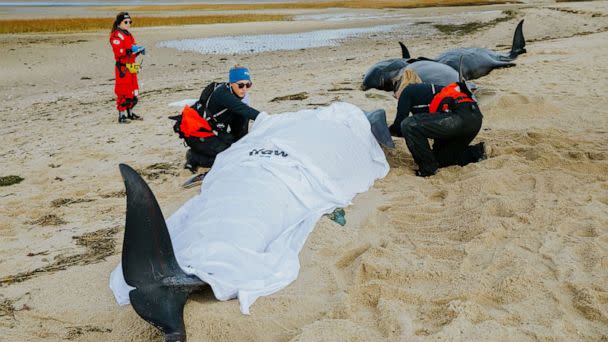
[218,119]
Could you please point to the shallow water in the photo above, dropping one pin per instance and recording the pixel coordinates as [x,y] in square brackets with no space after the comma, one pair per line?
[272,42]
[409,27]
[349,16]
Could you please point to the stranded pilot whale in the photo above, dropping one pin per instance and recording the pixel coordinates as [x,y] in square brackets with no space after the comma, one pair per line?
[385,75]
[480,61]
[159,286]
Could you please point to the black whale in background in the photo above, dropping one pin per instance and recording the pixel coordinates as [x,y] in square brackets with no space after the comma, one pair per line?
[385,75]
[479,62]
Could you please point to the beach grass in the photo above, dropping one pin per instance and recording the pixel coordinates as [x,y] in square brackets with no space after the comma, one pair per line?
[52,25]
[311,5]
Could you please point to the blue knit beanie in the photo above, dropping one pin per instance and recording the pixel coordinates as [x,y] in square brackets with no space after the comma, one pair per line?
[238,73]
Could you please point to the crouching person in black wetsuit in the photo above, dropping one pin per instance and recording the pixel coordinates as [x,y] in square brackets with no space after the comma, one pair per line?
[218,119]
[448,115]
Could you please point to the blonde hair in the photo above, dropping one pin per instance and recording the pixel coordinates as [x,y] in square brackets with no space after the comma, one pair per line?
[408,77]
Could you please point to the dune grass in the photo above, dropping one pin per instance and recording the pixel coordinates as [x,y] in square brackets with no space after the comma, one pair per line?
[311,5]
[89,24]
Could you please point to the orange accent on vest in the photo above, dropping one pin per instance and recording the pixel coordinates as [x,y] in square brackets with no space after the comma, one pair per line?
[193,125]
[451,90]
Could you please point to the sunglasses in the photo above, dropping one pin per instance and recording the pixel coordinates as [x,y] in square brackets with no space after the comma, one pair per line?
[127,21]
[243,85]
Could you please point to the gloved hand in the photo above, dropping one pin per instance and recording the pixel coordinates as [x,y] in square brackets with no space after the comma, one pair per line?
[136,49]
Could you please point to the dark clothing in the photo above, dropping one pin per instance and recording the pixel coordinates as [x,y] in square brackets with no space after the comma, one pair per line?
[452,132]
[237,114]
[231,125]
[203,151]
[415,98]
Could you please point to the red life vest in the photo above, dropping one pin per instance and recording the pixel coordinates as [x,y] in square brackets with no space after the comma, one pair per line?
[449,95]
[193,125]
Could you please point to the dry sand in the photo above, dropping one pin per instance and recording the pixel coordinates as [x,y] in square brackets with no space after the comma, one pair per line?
[512,248]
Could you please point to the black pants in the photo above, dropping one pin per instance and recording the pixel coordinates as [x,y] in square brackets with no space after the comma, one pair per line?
[452,132]
[202,152]
[415,98]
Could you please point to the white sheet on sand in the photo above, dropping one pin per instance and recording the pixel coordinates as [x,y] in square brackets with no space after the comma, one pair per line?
[190,102]
[263,196]
[182,103]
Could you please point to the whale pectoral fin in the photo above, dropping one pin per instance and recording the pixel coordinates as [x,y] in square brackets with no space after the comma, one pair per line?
[377,120]
[163,307]
[404,52]
[502,64]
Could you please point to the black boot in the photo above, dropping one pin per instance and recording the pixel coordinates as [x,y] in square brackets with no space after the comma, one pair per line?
[122,118]
[133,116]
[190,162]
[421,173]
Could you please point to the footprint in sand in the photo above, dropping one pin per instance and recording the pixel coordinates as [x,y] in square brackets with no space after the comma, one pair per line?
[586,303]
[351,255]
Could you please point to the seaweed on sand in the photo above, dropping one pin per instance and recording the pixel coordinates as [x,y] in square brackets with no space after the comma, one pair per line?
[99,245]
[48,220]
[473,26]
[10,180]
[60,202]
[292,97]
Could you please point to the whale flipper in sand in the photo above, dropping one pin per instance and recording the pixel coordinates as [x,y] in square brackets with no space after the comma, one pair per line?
[377,121]
[161,286]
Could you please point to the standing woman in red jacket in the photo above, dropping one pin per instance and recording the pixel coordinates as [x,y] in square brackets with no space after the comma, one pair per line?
[125,52]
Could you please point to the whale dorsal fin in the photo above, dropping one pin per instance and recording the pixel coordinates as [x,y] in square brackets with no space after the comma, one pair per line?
[461,80]
[148,262]
[404,52]
[519,42]
[460,72]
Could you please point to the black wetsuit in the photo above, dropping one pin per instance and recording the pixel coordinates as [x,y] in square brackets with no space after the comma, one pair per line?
[452,132]
[415,98]
[231,125]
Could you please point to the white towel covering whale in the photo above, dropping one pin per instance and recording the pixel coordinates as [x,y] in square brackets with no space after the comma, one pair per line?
[263,196]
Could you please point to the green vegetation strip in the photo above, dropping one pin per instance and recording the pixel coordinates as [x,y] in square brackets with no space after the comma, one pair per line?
[309,5]
[89,24]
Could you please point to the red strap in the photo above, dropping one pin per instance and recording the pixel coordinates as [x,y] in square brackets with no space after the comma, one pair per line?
[450,91]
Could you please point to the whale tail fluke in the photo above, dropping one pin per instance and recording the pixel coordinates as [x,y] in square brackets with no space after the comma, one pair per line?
[163,308]
[148,262]
[519,42]
[404,51]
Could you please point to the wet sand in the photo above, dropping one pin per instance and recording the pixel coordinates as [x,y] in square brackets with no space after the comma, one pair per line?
[511,248]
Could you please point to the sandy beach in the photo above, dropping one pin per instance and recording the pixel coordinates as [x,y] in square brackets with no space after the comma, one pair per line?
[514,248]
